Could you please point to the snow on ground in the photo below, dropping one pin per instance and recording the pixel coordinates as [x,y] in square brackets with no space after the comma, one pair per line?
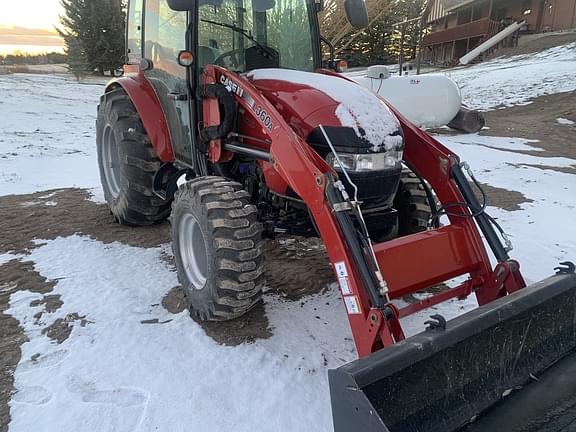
[5,257]
[47,133]
[117,373]
[544,231]
[514,80]
[565,121]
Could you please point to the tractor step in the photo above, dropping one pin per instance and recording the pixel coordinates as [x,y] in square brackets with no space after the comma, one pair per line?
[441,379]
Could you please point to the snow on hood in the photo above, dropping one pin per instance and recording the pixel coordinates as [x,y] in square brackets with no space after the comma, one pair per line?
[359,109]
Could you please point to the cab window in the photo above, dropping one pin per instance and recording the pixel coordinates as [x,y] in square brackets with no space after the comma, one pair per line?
[165,36]
[230,30]
[134,42]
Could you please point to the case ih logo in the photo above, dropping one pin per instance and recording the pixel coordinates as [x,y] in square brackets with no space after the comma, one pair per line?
[231,86]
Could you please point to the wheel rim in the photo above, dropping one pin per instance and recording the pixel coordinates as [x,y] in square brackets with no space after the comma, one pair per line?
[111,162]
[193,251]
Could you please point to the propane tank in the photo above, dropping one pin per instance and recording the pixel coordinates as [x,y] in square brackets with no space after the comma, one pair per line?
[428,101]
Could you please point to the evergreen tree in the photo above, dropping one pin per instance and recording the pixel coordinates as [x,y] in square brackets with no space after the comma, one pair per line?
[77,60]
[99,25]
[380,43]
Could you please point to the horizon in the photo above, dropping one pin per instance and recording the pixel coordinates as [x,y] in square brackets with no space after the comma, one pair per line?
[30,28]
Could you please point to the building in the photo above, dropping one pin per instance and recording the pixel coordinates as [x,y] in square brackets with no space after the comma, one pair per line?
[457,26]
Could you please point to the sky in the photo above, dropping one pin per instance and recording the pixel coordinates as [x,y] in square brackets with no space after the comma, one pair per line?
[27,25]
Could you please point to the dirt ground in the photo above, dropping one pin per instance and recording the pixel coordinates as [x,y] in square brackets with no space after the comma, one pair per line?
[538,121]
[51,214]
[295,267]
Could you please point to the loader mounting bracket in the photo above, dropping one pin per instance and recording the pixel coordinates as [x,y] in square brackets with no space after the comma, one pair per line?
[565,267]
[436,322]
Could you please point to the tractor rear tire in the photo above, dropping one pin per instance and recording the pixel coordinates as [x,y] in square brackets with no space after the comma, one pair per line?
[412,204]
[217,244]
[127,163]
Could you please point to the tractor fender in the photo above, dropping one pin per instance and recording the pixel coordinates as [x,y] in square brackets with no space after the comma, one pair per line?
[149,109]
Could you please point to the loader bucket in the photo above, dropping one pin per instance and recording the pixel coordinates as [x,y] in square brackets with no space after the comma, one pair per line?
[440,380]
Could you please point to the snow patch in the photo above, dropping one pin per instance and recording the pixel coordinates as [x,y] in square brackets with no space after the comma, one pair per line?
[6,257]
[47,134]
[359,108]
[565,121]
[510,81]
[116,373]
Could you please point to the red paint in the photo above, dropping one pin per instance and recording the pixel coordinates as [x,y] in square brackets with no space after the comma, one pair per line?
[461,291]
[149,109]
[302,106]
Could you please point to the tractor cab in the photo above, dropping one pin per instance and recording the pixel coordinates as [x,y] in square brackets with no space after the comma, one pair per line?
[182,37]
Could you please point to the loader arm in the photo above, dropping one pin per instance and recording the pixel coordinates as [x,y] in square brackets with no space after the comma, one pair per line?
[449,252]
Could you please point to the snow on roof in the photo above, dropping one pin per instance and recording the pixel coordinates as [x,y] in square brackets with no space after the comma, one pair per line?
[359,108]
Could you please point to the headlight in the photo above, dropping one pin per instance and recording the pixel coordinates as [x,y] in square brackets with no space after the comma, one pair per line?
[367,162]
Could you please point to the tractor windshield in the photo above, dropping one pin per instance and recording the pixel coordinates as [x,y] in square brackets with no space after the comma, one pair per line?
[228,28]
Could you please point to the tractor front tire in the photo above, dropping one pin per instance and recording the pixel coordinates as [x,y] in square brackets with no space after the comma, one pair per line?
[127,163]
[217,244]
[412,204]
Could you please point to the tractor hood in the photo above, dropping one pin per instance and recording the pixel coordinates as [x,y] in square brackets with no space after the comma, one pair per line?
[356,120]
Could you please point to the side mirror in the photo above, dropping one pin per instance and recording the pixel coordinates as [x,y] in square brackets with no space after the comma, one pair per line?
[182,5]
[356,13]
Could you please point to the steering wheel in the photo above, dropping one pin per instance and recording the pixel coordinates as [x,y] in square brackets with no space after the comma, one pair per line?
[236,59]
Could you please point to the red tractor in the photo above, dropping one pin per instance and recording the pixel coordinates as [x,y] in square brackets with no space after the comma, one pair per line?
[227,121]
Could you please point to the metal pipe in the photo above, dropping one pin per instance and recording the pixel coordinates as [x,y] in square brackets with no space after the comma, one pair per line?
[499,37]
[248,151]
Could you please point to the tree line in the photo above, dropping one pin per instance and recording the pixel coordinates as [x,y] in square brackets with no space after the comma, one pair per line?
[93,31]
[19,58]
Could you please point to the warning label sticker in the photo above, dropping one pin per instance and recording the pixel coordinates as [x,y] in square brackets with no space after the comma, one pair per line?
[344,285]
[352,305]
[341,270]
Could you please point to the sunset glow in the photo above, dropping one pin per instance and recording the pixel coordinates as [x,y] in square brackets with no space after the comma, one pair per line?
[29,26]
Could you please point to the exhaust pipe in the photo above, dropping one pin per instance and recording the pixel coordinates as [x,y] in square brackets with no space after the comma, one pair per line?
[442,379]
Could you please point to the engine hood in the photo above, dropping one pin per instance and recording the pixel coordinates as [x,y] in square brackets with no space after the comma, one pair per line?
[357,119]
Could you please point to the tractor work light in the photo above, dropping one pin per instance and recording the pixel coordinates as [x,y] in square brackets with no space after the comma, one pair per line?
[366,162]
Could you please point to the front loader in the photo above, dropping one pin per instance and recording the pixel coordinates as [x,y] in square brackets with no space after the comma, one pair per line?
[228,122]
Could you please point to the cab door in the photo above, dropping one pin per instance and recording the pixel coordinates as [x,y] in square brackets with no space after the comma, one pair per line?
[164,38]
